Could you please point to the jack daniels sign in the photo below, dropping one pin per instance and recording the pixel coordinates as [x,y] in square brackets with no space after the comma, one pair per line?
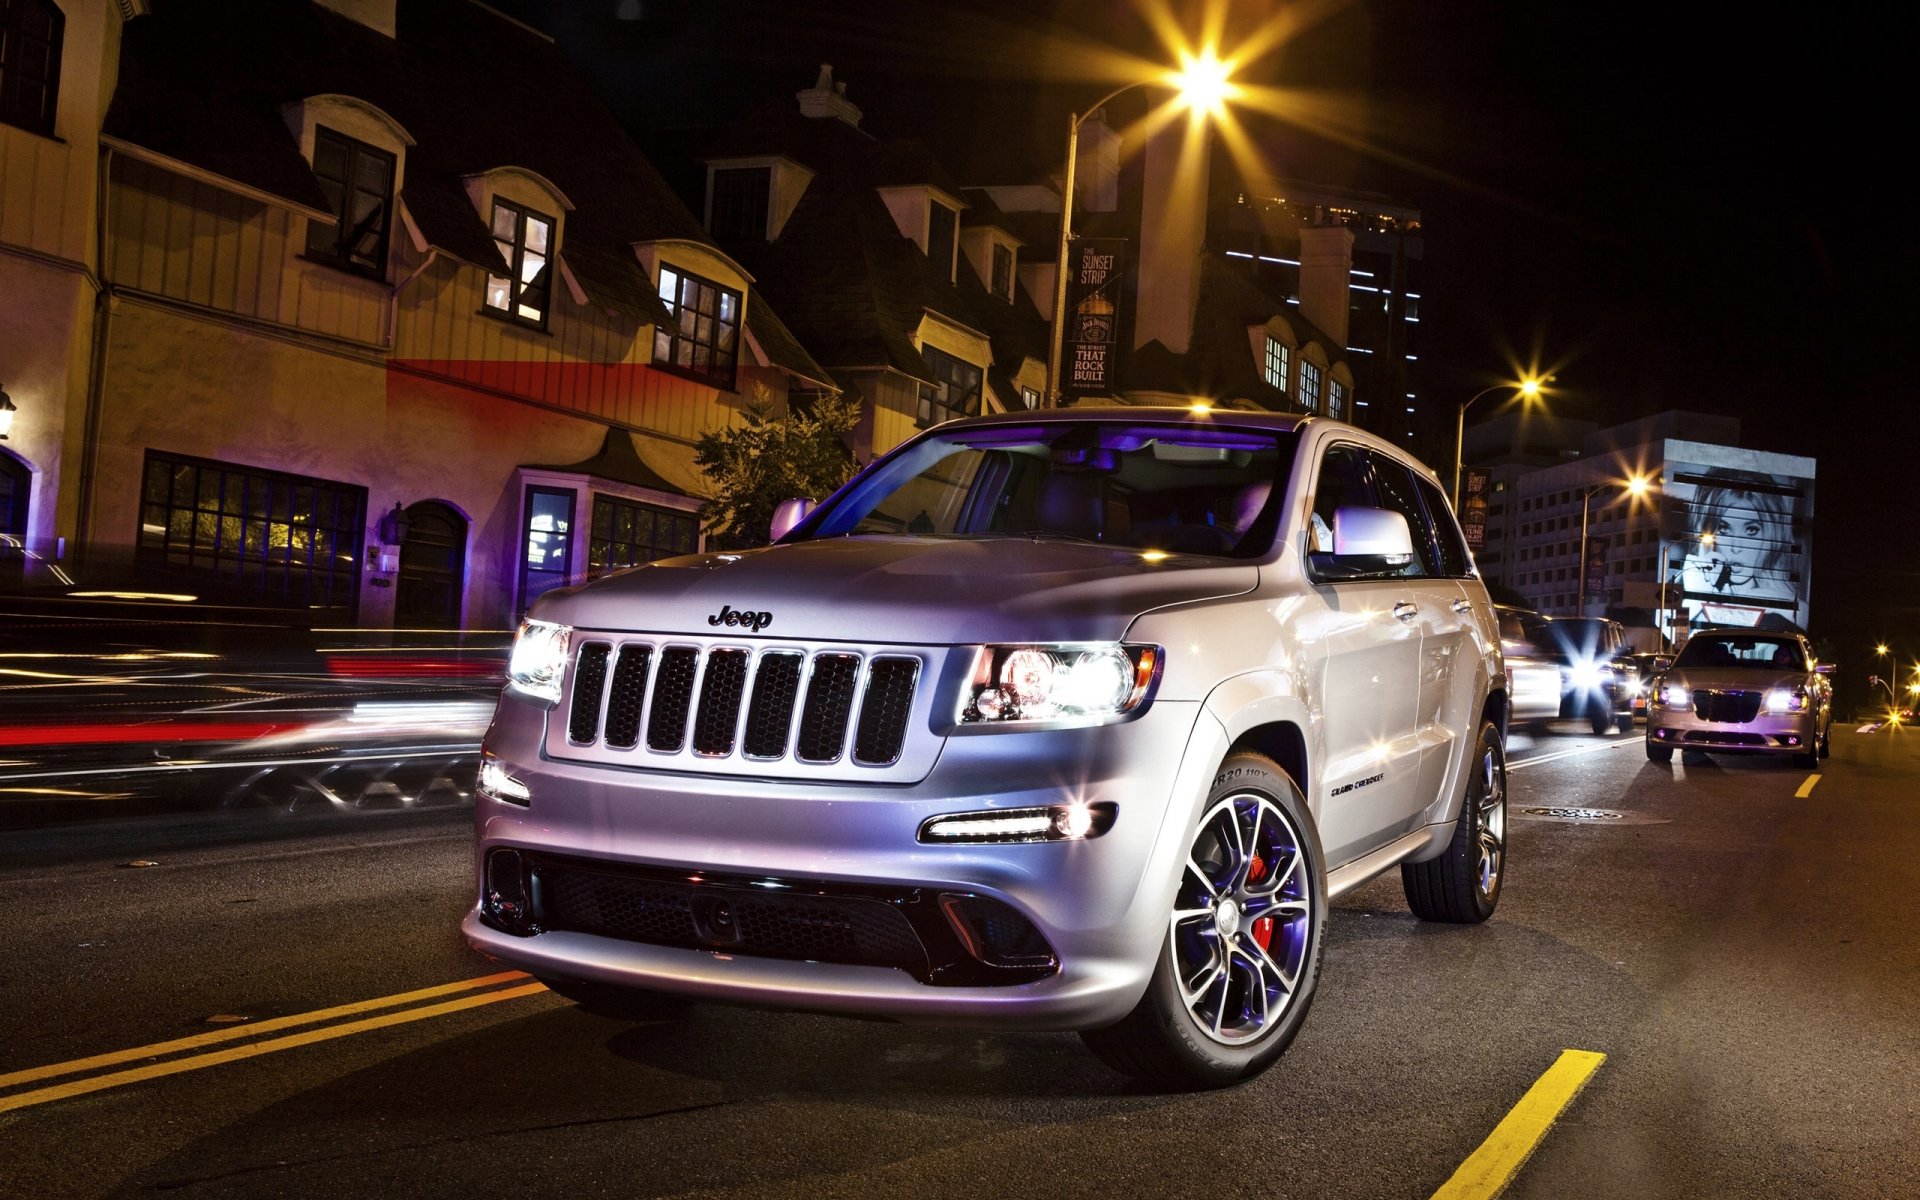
[1096,269]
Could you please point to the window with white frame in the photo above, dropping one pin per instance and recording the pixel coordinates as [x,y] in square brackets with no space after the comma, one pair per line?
[704,338]
[1277,363]
[525,240]
[1309,387]
[1336,399]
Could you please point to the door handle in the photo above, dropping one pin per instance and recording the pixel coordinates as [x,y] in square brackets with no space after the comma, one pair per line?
[1406,610]
[1463,605]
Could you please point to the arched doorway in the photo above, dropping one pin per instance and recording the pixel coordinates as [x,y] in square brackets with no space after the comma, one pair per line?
[16,485]
[433,567]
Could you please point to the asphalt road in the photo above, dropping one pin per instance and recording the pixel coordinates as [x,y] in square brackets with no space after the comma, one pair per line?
[1734,936]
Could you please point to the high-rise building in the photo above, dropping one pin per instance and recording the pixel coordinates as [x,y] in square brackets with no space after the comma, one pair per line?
[1262,234]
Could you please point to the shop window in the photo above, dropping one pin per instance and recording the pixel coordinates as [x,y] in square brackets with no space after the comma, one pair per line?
[546,535]
[627,533]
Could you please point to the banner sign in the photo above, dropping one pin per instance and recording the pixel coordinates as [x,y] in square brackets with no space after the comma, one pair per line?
[1595,586]
[1737,540]
[1476,488]
[1095,270]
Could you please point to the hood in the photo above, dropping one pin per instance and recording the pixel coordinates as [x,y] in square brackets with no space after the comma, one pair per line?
[901,591]
[1734,679]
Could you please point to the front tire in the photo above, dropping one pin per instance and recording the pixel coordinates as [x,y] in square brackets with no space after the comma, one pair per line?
[1462,886]
[1658,753]
[1600,716]
[1241,956]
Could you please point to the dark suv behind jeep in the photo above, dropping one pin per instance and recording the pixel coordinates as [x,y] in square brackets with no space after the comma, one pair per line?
[1595,682]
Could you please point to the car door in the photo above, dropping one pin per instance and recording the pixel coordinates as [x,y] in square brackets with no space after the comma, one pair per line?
[1362,651]
[1454,642]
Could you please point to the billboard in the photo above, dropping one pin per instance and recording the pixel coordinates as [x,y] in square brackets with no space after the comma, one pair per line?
[1737,527]
[1476,484]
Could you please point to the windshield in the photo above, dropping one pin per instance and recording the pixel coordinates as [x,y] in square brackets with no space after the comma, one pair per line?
[1148,486]
[1574,639]
[1772,654]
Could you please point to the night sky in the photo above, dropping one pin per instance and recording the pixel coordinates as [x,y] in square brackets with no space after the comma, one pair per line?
[1669,206]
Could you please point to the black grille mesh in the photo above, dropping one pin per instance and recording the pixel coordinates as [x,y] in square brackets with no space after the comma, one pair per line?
[823,724]
[775,690]
[672,696]
[1726,706]
[884,711]
[837,929]
[589,677]
[720,695]
[628,694]
[688,695]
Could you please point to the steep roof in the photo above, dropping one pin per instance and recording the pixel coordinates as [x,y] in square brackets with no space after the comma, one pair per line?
[204,82]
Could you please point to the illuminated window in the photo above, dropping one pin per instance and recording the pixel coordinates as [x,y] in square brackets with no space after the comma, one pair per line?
[1309,387]
[547,531]
[358,181]
[956,392]
[282,539]
[1336,399]
[1277,364]
[30,35]
[626,534]
[525,241]
[704,337]
[1030,397]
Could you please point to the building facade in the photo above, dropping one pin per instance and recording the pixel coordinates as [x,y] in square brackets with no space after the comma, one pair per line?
[303,307]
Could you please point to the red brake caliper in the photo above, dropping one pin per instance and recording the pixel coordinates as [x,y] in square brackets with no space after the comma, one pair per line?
[1262,926]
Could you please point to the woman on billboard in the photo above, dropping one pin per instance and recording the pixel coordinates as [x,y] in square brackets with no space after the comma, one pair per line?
[1740,550]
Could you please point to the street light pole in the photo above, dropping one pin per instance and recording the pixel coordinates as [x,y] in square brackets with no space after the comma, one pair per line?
[1635,486]
[1529,389]
[1202,82]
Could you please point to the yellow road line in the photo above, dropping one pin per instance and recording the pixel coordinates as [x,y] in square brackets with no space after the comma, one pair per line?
[1489,1169]
[81,1087]
[158,1049]
[1806,789]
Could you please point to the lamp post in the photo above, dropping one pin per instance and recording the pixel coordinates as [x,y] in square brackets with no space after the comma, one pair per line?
[1635,487]
[1203,84]
[1705,539]
[1528,388]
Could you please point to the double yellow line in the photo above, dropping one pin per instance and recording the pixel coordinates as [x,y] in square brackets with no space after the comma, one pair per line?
[487,989]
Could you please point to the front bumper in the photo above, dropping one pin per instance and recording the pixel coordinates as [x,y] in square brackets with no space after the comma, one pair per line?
[1781,733]
[1099,906]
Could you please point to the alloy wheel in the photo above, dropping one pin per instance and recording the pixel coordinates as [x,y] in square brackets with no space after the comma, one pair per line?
[1489,807]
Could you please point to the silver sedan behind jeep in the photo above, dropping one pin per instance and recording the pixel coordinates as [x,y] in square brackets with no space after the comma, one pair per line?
[1071,720]
[1742,691]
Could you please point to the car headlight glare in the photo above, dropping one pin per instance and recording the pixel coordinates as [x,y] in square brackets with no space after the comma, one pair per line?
[539,659]
[1070,682]
[1787,700]
[496,784]
[1584,675]
[1675,695]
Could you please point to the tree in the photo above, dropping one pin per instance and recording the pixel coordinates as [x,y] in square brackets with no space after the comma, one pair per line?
[755,466]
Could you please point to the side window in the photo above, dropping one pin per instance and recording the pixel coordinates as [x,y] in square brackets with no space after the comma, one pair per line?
[1342,482]
[1395,486]
[1455,561]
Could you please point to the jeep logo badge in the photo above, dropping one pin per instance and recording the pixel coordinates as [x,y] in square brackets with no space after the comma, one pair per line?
[728,615]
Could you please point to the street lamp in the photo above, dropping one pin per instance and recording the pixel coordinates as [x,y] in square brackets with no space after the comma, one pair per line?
[1203,86]
[1528,388]
[1636,486]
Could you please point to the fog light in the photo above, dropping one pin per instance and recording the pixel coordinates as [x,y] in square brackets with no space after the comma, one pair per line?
[506,901]
[1055,823]
[496,784]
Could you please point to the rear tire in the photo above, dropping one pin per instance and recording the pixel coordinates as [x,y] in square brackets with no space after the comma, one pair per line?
[1462,886]
[1241,955]
[1600,717]
[1658,753]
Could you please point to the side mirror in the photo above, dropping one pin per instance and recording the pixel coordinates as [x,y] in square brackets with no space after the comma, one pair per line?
[788,514]
[1823,668]
[1366,542]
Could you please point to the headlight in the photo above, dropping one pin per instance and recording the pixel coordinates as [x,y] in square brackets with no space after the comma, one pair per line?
[1674,695]
[539,659]
[1585,676]
[1787,700]
[1081,683]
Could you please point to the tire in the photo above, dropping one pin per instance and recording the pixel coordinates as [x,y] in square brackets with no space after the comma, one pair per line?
[618,1003]
[1600,717]
[1462,886]
[1810,761]
[1826,741]
[1658,753]
[1241,956]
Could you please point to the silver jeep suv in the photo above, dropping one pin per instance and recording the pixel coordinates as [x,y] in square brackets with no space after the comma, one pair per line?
[1070,720]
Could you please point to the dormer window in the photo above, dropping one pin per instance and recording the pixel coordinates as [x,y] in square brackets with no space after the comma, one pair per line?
[358,181]
[524,238]
[943,226]
[740,196]
[704,338]
[1276,364]
[30,35]
[1003,272]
